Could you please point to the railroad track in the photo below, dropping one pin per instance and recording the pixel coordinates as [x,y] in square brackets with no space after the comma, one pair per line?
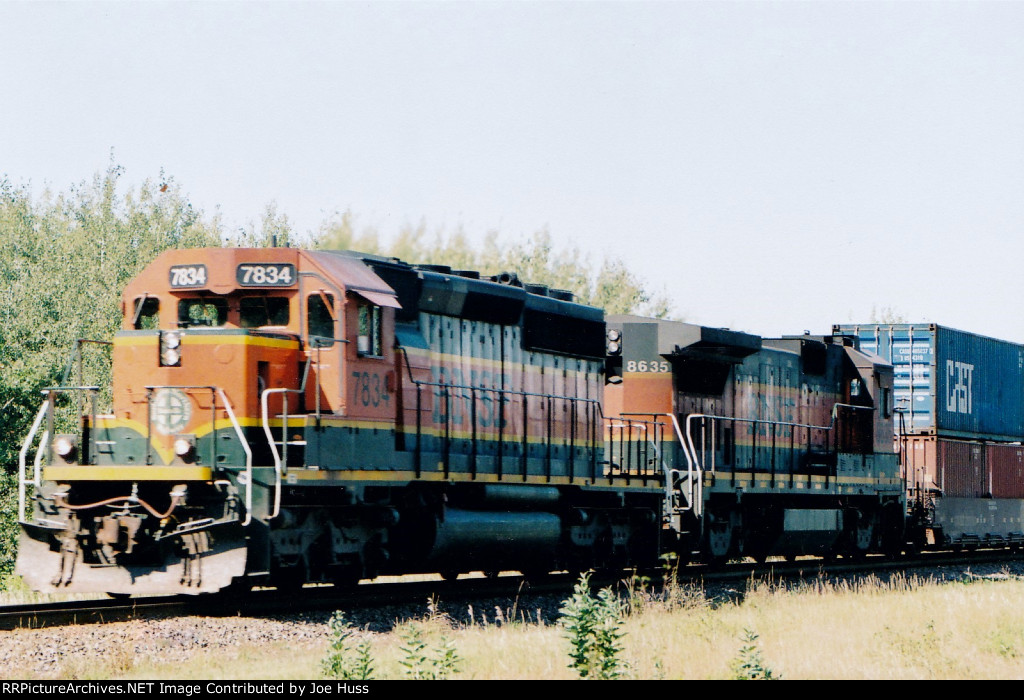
[263,601]
[378,594]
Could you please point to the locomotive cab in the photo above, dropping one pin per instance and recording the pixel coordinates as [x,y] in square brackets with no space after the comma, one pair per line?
[228,363]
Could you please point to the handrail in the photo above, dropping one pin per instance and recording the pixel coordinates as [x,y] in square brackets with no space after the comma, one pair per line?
[695,488]
[278,461]
[22,467]
[248,456]
[512,392]
[469,392]
[44,412]
[809,426]
[695,498]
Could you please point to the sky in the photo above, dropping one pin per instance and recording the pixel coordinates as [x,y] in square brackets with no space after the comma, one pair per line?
[772,167]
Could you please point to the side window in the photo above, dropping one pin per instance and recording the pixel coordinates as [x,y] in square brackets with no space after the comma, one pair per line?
[320,316]
[255,312]
[147,314]
[370,332]
[202,312]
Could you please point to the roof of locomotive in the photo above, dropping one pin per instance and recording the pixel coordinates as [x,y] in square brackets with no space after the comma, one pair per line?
[220,271]
[500,298]
[678,338]
[550,320]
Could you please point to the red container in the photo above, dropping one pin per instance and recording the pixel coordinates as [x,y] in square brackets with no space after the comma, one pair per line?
[957,467]
[1006,470]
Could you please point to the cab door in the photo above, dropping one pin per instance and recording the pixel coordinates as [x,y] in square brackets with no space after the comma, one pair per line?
[324,343]
[371,358]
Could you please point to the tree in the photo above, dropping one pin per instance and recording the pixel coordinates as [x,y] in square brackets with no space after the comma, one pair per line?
[273,230]
[609,285]
[64,259]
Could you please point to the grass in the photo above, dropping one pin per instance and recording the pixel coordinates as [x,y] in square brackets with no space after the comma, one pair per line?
[14,591]
[903,628]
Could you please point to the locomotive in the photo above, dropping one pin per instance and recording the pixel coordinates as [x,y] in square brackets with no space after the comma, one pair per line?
[282,416]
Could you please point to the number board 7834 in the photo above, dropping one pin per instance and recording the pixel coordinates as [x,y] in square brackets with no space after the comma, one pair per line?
[265,275]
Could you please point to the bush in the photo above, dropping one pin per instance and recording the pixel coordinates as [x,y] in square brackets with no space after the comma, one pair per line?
[417,665]
[593,627]
[345,661]
[748,665]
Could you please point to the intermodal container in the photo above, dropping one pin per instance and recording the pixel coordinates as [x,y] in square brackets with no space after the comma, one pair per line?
[1006,470]
[958,468]
[948,382]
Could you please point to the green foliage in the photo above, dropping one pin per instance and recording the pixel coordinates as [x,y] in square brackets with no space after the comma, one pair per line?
[417,665]
[608,285]
[273,229]
[748,665]
[593,628]
[8,524]
[414,653]
[345,661]
[64,259]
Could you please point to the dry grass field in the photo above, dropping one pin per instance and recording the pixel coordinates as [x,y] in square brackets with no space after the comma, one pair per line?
[904,628]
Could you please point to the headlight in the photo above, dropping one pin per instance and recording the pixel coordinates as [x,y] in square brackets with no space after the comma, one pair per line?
[614,338]
[64,446]
[170,352]
[170,358]
[182,446]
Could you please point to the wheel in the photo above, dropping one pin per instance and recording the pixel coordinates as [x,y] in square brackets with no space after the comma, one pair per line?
[718,540]
[290,579]
[450,574]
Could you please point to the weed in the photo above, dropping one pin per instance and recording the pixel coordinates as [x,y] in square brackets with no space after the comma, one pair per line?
[414,656]
[415,662]
[748,665]
[343,661]
[593,627]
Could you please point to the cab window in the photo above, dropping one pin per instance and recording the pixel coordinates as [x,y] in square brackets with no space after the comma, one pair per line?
[202,312]
[370,333]
[147,314]
[320,316]
[255,312]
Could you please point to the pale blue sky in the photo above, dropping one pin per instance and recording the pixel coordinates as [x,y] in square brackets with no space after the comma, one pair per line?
[772,166]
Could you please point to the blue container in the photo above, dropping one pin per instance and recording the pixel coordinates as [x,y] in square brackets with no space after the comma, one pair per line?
[949,382]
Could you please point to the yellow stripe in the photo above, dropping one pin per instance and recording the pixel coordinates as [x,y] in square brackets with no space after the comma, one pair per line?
[438,476]
[211,339]
[204,339]
[135,340]
[127,473]
[247,422]
[198,473]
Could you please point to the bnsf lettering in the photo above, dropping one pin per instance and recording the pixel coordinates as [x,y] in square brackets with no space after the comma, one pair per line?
[453,403]
[959,379]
